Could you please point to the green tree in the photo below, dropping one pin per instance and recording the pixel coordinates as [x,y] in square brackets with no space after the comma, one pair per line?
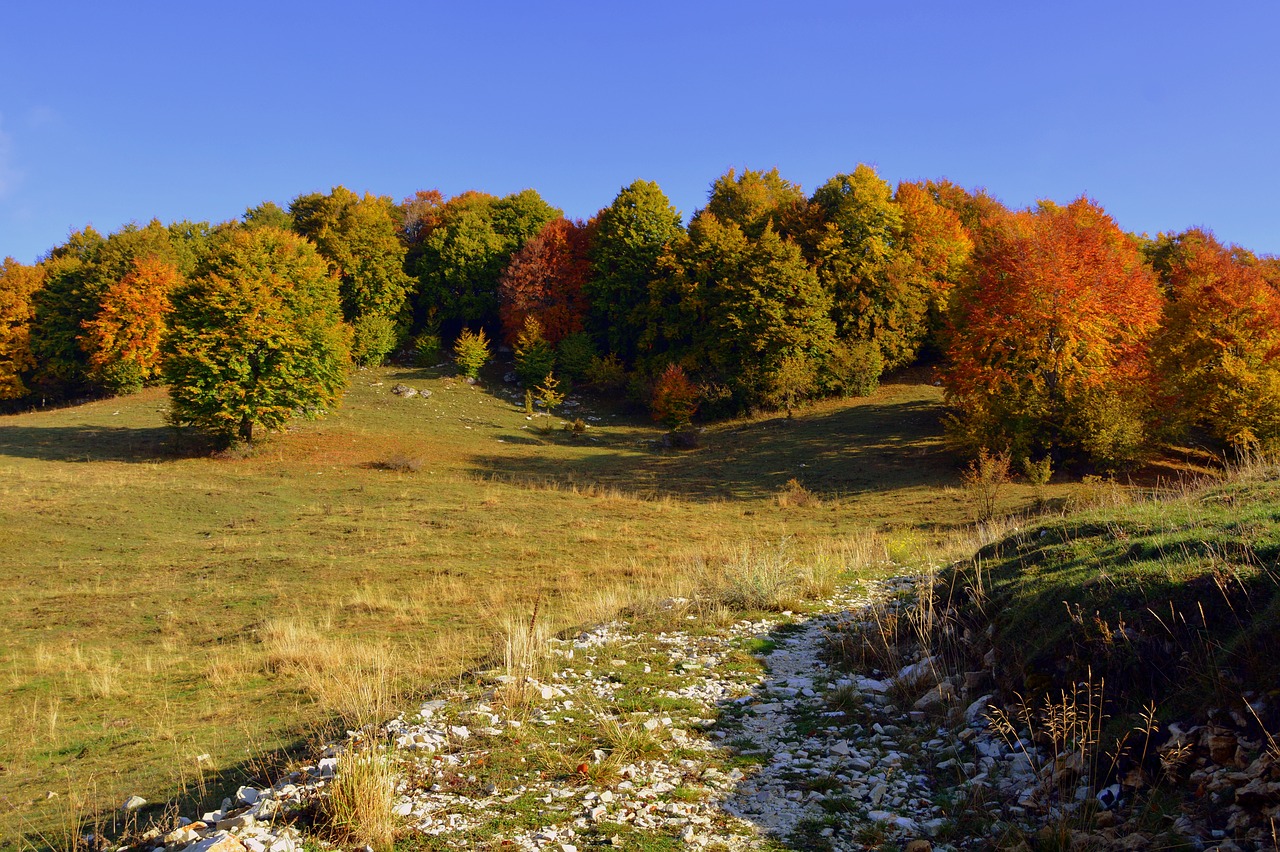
[534,356]
[268,214]
[631,235]
[862,262]
[754,200]
[256,337]
[462,249]
[359,237]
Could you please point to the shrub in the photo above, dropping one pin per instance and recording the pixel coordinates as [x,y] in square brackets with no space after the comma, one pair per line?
[575,356]
[534,356]
[427,349]
[471,352]
[549,393]
[853,368]
[607,373]
[984,478]
[675,398]
[373,338]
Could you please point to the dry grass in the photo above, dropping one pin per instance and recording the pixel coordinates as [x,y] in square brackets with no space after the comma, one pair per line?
[359,808]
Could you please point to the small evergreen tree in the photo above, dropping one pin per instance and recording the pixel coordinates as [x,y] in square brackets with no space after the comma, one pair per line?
[675,398]
[471,352]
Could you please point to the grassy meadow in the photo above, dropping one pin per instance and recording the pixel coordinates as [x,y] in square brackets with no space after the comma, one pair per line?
[174,621]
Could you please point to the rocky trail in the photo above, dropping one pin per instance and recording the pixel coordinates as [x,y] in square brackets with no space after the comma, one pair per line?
[732,736]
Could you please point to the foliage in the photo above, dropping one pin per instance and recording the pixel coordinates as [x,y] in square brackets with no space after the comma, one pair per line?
[78,274]
[373,337]
[549,394]
[757,302]
[575,354]
[1218,349]
[631,235]
[256,338]
[607,373]
[463,248]
[938,248]
[427,349]
[675,398]
[793,379]
[123,341]
[852,368]
[545,281]
[471,352]
[754,200]
[359,237]
[880,293]
[268,214]
[17,285]
[1051,334]
[534,357]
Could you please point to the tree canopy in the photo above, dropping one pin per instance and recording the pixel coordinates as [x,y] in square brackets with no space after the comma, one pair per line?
[256,337]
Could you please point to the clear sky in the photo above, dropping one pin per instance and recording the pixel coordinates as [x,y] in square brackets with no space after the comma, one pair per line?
[1165,112]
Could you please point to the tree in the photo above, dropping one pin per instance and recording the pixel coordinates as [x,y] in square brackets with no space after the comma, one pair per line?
[631,235]
[1048,340]
[123,341]
[938,248]
[359,237]
[256,337]
[544,281]
[534,357]
[18,283]
[464,248]
[753,200]
[268,214]
[78,274]
[862,260]
[471,352]
[1218,349]
[752,303]
[675,398]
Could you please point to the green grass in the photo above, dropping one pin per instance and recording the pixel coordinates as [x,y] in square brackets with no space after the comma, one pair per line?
[1171,601]
[161,605]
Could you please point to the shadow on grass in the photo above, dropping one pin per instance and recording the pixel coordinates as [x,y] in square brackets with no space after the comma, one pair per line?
[90,443]
[868,447]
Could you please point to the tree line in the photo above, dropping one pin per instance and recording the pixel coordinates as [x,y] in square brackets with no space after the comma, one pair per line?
[1055,333]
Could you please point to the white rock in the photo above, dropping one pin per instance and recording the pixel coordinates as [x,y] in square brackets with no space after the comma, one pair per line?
[248,796]
[133,803]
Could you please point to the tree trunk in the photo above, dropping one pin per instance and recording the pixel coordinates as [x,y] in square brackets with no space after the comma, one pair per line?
[246,429]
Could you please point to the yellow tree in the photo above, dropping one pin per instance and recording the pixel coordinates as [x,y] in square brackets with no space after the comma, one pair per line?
[1218,350]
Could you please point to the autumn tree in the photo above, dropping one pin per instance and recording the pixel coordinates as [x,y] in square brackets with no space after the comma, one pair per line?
[268,214]
[747,305]
[1218,349]
[463,248]
[359,237]
[79,273]
[1048,340]
[879,294]
[753,200]
[18,283]
[631,235]
[937,248]
[256,337]
[123,341]
[545,280]
[534,355]
[675,398]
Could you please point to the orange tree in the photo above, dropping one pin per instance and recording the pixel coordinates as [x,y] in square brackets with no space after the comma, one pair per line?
[1048,337]
[17,284]
[1218,350]
[123,340]
[544,281]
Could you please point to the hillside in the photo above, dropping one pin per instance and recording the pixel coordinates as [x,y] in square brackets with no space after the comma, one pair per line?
[164,605]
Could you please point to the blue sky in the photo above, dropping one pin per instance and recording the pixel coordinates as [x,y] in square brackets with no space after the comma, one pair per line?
[1165,112]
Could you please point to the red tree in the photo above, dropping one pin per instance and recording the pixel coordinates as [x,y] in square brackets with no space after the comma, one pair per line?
[544,280]
[1048,340]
